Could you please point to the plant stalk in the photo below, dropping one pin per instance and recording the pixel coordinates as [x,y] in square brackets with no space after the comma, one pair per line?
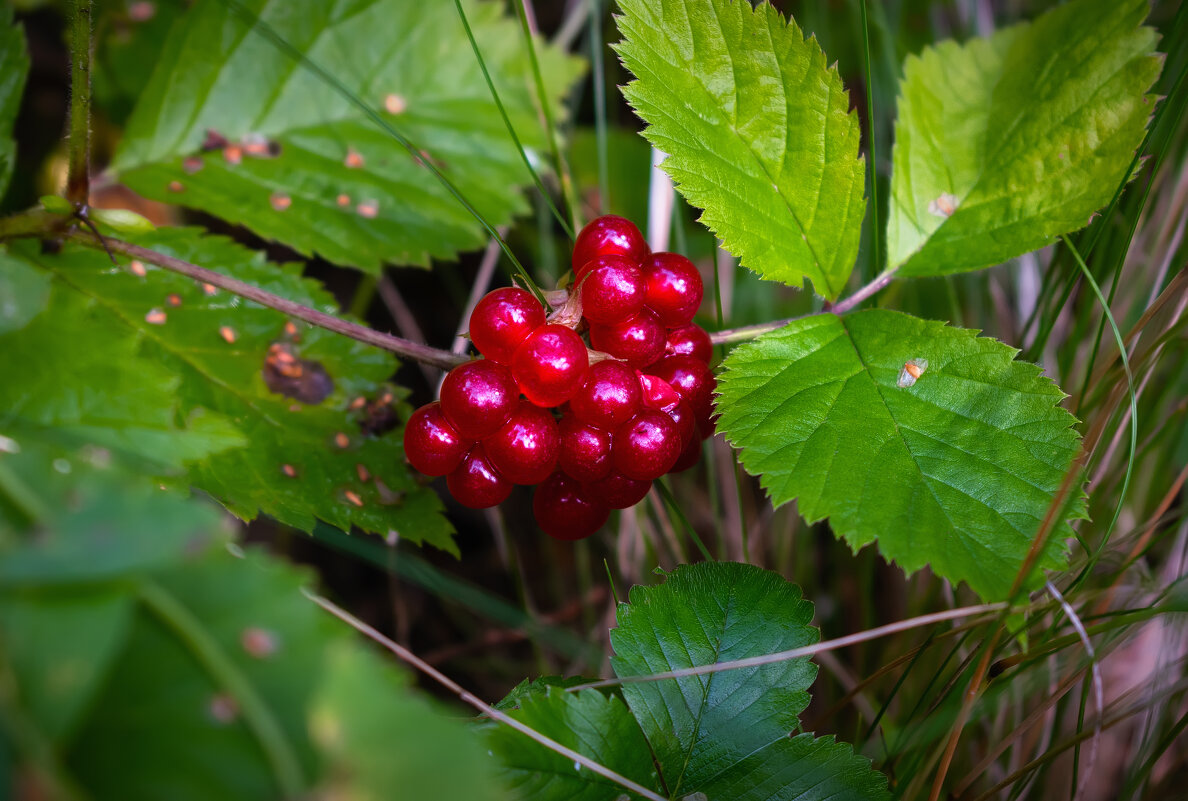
[78,188]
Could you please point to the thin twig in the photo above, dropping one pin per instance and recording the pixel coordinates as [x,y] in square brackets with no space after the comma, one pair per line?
[729,335]
[397,345]
[78,189]
[881,281]
[803,651]
[408,656]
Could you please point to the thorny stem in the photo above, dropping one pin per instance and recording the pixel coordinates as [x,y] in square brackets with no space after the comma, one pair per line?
[77,180]
[43,223]
[466,697]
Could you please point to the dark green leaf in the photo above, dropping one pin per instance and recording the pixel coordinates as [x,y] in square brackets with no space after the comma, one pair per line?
[295,467]
[955,470]
[340,186]
[800,768]
[382,742]
[1004,143]
[59,647]
[77,369]
[702,727]
[14,68]
[757,129]
[74,513]
[24,292]
[595,725]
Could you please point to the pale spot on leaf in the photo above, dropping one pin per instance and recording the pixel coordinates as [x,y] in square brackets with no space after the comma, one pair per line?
[943,206]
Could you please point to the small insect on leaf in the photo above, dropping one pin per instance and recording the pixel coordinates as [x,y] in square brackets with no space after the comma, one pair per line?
[912,370]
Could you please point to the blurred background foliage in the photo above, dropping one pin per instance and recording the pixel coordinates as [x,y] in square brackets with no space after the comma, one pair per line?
[518,604]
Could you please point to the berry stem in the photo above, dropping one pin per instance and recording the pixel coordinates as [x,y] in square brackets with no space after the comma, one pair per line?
[402,347]
[78,178]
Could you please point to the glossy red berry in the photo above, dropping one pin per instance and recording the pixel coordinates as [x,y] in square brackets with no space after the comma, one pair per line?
[585,450]
[550,364]
[525,450]
[479,397]
[476,483]
[563,512]
[431,444]
[689,340]
[657,393]
[647,445]
[608,235]
[502,320]
[613,290]
[674,288]
[609,397]
[616,490]
[639,341]
[690,377]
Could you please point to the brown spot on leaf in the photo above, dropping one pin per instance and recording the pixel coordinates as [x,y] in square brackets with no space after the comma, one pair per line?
[368,209]
[289,470]
[137,268]
[176,186]
[342,440]
[222,708]
[353,159]
[343,200]
[209,289]
[353,498]
[155,317]
[173,299]
[192,164]
[395,104]
[233,154]
[287,374]
[377,416]
[214,140]
[363,474]
[142,11]
[280,202]
[227,333]
[259,643]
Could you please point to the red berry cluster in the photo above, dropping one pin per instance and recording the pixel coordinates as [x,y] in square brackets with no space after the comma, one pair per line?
[624,421]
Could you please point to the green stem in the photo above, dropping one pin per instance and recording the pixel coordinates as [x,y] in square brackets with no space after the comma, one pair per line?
[600,130]
[1105,307]
[78,179]
[870,125]
[507,122]
[256,714]
[550,126]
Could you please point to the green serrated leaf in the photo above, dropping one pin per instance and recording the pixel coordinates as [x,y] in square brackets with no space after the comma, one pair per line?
[757,129]
[59,647]
[24,292]
[14,69]
[1004,143]
[76,369]
[304,461]
[382,742]
[701,727]
[956,470]
[171,668]
[595,725]
[801,768]
[340,186]
[95,517]
[540,686]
